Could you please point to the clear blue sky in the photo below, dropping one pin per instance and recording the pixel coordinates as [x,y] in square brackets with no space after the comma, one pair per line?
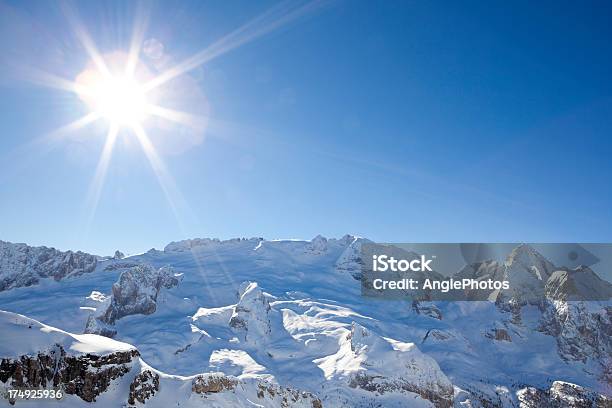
[399,121]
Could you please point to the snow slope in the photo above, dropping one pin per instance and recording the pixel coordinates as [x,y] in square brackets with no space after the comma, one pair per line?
[289,314]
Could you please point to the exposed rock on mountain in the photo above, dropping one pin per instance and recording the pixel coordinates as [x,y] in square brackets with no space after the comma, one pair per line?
[23,265]
[195,243]
[526,271]
[311,330]
[214,385]
[580,283]
[436,335]
[562,395]
[86,376]
[98,369]
[379,365]
[533,280]
[318,245]
[480,271]
[582,330]
[119,265]
[499,335]
[143,387]
[251,316]
[427,309]
[34,355]
[350,259]
[135,292]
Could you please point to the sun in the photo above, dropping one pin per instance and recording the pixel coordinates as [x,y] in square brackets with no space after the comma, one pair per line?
[116,93]
[132,94]
[120,99]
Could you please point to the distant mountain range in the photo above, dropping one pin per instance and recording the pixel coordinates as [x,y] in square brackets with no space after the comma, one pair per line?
[283,323]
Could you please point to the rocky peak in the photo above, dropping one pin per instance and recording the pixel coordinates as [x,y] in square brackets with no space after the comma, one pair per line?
[350,260]
[318,244]
[264,391]
[34,355]
[582,330]
[527,258]
[362,340]
[562,395]
[580,283]
[135,292]
[381,365]
[192,243]
[23,265]
[251,315]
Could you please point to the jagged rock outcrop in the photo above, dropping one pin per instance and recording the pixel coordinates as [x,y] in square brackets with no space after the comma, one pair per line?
[436,335]
[317,245]
[499,334]
[580,283]
[427,309]
[525,269]
[143,387]
[533,279]
[102,370]
[118,255]
[350,260]
[258,390]
[213,383]
[568,298]
[86,376]
[489,269]
[251,315]
[562,395]
[96,326]
[135,292]
[583,330]
[387,366]
[119,265]
[23,265]
[190,244]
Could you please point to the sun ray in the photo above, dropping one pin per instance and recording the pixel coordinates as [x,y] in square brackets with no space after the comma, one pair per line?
[58,134]
[184,118]
[270,20]
[204,275]
[42,78]
[101,170]
[164,178]
[140,26]
[85,39]
[71,127]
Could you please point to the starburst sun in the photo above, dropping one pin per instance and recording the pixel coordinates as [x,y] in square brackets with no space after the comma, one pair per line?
[116,92]
[123,90]
[120,99]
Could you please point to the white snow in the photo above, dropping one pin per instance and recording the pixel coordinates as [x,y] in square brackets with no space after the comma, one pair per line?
[299,305]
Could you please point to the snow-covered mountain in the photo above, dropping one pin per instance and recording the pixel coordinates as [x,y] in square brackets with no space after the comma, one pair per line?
[23,265]
[253,322]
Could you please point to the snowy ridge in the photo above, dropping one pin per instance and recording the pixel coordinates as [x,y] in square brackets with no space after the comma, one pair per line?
[24,336]
[23,265]
[112,374]
[249,322]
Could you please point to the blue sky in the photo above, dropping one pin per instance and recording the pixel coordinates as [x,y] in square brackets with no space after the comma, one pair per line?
[400,121]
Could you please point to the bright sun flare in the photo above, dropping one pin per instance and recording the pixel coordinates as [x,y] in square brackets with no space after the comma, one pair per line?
[114,92]
[119,99]
[124,90]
